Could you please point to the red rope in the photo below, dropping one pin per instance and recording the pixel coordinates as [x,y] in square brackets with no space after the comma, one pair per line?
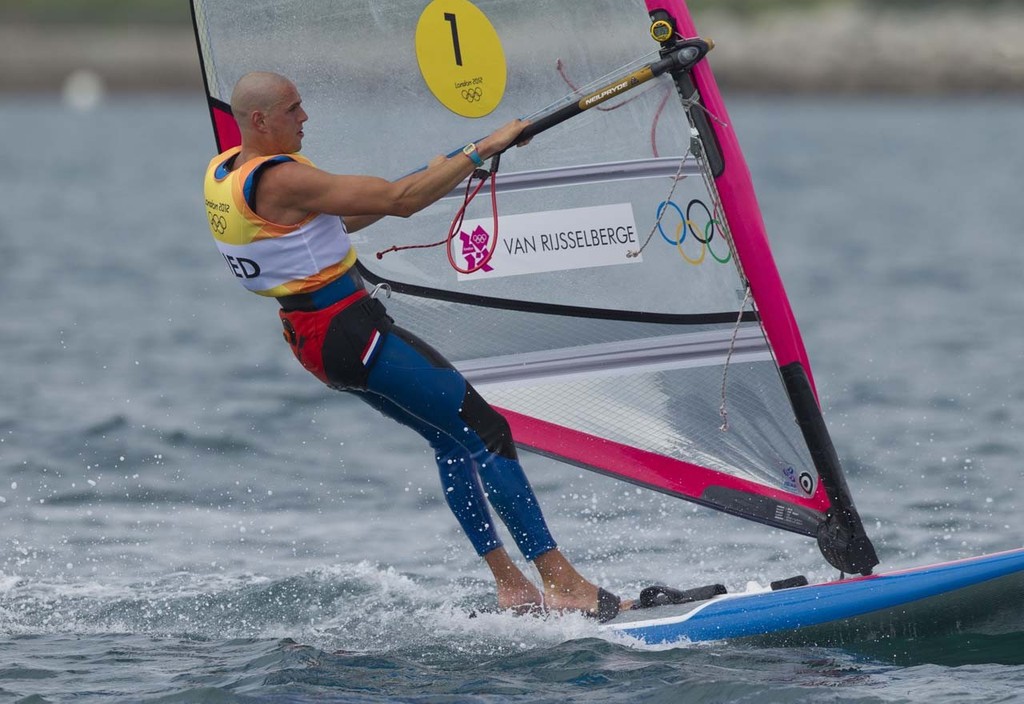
[457,225]
[654,122]
[560,67]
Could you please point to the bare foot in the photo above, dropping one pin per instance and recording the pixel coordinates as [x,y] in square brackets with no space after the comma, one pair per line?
[520,601]
[565,589]
[515,591]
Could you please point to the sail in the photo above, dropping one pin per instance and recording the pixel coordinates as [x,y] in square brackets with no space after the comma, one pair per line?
[615,297]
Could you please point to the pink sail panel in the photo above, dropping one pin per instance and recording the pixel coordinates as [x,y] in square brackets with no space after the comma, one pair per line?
[641,466]
[224,126]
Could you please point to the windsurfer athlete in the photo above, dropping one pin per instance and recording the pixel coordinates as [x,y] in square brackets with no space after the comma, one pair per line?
[282,225]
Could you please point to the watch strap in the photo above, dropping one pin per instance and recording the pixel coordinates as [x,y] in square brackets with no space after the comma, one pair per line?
[470,150]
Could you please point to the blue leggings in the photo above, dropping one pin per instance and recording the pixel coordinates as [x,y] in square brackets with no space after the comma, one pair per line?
[412,383]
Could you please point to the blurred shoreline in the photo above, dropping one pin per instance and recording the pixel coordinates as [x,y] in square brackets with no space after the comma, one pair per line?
[836,49]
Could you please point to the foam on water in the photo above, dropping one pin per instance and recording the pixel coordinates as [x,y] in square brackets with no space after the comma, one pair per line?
[361,607]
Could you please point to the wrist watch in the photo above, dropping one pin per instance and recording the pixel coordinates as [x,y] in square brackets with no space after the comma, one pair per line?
[470,151]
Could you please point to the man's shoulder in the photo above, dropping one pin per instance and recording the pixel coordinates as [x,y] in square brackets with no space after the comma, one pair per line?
[284,172]
[283,164]
[300,158]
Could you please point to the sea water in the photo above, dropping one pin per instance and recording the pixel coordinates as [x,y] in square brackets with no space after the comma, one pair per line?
[187,515]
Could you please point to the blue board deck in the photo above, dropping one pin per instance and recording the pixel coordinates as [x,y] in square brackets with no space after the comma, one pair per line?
[984,593]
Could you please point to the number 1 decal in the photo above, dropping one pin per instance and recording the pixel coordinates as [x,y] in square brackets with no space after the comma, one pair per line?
[473,84]
[450,17]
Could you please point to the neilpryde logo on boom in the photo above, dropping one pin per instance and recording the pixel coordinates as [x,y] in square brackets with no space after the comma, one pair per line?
[554,240]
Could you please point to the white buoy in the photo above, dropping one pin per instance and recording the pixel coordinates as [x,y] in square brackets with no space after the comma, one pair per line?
[83,90]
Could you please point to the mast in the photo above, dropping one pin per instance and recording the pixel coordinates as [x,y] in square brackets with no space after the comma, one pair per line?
[841,535]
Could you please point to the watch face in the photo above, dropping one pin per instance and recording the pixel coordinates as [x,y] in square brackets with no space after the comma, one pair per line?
[470,151]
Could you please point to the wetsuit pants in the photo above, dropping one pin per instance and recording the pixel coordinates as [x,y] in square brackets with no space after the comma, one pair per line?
[353,345]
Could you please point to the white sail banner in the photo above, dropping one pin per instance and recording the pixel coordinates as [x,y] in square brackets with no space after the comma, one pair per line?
[553,240]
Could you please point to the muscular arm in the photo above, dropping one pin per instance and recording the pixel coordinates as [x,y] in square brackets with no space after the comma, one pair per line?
[358,222]
[289,191]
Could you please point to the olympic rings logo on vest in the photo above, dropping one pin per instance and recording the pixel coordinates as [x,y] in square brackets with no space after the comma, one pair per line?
[218,223]
[698,223]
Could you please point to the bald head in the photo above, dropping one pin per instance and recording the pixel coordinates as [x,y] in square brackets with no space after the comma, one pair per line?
[258,91]
[269,113]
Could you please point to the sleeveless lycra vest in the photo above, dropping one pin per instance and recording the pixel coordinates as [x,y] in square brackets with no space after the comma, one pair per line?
[267,258]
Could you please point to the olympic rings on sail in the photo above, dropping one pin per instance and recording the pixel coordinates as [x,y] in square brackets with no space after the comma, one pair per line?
[472,95]
[687,225]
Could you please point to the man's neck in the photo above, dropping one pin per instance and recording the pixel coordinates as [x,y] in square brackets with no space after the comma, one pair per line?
[253,149]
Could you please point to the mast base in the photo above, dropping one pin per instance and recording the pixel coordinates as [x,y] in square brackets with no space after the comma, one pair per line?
[846,549]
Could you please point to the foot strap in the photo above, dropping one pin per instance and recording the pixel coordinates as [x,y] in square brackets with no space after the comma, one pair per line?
[608,605]
[663,596]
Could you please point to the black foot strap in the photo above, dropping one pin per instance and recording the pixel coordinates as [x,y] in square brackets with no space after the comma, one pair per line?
[798,581]
[608,605]
[663,596]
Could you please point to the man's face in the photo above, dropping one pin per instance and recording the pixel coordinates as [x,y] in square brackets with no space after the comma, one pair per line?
[284,121]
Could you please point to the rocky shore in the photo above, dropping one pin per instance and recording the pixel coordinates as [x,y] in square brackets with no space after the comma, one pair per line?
[837,50]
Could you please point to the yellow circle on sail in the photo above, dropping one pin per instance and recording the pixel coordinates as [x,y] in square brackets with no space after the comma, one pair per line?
[460,57]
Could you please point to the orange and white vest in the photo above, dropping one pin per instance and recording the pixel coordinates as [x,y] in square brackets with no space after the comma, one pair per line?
[271,259]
